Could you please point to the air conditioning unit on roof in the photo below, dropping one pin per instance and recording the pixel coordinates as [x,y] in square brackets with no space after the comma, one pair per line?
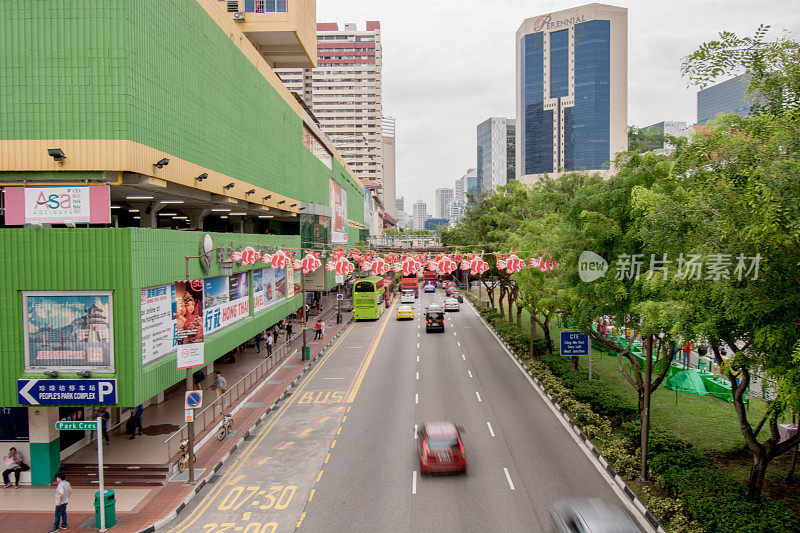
[238,15]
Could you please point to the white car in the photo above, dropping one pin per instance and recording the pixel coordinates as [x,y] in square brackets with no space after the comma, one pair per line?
[407,297]
[451,304]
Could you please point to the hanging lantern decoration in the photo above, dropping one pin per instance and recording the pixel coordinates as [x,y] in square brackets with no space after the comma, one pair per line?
[337,253]
[397,267]
[310,263]
[342,266]
[280,259]
[535,262]
[330,266]
[248,256]
[297,264]
[501,263]
[266,259]
[514,264]
[466,264]
[479,266]
[410,266]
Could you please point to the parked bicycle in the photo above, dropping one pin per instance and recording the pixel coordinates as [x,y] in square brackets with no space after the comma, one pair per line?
[226,428]
[183,460]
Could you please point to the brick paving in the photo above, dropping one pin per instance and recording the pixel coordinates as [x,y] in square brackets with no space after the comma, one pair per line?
[161,501]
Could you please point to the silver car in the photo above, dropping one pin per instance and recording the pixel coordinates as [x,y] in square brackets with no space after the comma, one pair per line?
[451,304]
[592,516]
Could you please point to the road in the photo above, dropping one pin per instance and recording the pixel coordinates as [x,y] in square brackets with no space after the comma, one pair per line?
[340,454]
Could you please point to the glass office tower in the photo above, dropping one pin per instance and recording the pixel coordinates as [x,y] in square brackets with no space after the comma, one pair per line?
[571,89]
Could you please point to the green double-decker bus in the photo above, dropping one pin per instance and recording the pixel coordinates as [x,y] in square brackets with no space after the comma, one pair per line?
[369,298]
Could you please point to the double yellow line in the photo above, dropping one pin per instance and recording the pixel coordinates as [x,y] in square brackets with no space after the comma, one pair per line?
[201,508]
[368,359]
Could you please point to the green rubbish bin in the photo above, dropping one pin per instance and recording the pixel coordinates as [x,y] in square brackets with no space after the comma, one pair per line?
[110,507]
[306,353]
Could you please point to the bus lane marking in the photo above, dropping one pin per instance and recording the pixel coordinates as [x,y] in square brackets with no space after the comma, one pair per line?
[230,477]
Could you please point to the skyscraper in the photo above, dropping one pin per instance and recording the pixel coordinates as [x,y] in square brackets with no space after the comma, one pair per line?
[443,198]
[419,215]
[344,92]
[725,97]
[493,151]
[572,89]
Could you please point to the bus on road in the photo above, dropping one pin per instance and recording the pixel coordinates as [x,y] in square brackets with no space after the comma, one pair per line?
[369,298]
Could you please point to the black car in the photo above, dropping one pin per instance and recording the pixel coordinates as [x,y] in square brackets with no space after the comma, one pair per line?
[434,318]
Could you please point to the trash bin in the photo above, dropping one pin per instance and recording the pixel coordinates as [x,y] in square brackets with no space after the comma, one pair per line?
[306,353]
[110,508]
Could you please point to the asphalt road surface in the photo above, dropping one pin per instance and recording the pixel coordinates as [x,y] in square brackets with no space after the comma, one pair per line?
[339,455]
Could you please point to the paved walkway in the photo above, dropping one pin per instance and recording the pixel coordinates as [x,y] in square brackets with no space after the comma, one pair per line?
[31,508]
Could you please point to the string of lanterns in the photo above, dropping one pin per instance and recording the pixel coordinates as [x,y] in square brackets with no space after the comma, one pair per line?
[343,262]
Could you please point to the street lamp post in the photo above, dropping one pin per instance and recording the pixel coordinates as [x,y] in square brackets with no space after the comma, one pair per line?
[227,270]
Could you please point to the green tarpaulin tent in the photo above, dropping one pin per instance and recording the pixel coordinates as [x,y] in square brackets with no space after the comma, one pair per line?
[688,380]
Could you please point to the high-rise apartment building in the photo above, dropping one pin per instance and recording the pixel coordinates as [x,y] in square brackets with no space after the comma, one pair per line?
[493,152]
[726,97]
[344,93]
[572,89]
[389,188]
[419,215]
[443,198]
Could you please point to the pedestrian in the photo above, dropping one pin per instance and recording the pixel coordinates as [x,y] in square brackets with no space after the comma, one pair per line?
[105,418]
[15,464]
[259,338]
[322,329]
[269,345]
[137,418]
[317,330]
[63,490]
[220,386]
[275,335]
[288,331]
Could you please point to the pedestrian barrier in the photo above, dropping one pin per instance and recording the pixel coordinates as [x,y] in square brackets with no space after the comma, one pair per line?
[211,414]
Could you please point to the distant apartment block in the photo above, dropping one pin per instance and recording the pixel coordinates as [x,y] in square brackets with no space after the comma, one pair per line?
[494,135]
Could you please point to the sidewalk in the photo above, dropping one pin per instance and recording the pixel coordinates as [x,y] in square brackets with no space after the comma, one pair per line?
[138,508]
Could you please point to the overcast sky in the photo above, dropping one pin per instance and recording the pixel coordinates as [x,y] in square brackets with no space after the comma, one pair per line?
[449,65]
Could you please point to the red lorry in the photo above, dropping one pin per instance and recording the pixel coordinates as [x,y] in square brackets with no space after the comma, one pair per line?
[410,283]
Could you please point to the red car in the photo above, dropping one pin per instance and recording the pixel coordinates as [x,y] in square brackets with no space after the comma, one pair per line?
[440,449]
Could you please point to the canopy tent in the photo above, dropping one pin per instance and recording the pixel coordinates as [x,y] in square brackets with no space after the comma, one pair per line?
[688,380]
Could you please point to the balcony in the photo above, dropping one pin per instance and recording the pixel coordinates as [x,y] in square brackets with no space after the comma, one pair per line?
[283,31]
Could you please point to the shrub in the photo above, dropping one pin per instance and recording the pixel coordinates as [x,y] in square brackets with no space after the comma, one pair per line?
[683,459]
[603,398]
[539,347]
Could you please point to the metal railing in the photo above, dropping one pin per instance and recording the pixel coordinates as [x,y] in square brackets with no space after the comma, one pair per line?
[212,414]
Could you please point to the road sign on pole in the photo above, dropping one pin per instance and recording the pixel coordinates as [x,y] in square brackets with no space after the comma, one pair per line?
[83,425]
[574,343]
[189,415]
[67,391]
[194,399]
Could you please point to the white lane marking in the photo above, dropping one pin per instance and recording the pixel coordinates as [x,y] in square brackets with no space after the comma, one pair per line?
[417,375]
[457,342]
[463,357]
[491,431]
[415,431]
[417,359]
[418,335]
[416,398]
[454,333]
[418,326]
[414,482]
[470,373]
[417,346]
[508,477]
[479,396]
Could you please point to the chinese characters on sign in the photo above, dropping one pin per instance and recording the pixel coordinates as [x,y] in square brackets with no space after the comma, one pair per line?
[689,266]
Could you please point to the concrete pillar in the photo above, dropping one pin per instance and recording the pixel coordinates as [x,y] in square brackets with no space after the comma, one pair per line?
[196,217]
[158,398]
[45,444]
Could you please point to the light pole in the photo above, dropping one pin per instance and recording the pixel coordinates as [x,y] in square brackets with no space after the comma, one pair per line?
[226,266]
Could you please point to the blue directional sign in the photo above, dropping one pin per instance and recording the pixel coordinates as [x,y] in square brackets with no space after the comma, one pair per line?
[573,343]
[67,391]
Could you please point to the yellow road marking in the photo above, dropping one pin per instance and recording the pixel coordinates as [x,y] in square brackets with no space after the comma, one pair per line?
[348,408]
[372,349]
[311,494]
[201,508]
[333,443]
[301,519]
[322,420]
[235,480]
[320,475]
[344,418]
[339,430]
[327,458]
[262,461]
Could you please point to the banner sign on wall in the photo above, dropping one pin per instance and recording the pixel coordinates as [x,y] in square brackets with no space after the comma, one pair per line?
[190,331]
[265,291]
[338,203]
[314,281]
[57,205]
[227,300]
[159,329]
[68,330]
